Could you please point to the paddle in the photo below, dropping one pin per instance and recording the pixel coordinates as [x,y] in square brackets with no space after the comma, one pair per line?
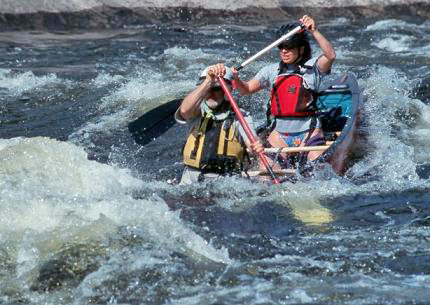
[246,128]
[297,29]
[154,123]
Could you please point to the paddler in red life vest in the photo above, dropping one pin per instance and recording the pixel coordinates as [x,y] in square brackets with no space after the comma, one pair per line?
[216,143]
[292,83]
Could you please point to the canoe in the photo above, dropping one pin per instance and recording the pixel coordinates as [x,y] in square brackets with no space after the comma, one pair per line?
[339,102]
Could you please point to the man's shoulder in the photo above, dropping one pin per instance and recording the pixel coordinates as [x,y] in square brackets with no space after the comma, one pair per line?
[179,119]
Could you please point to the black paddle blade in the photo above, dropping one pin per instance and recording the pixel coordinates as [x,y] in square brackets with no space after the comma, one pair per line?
[154,123]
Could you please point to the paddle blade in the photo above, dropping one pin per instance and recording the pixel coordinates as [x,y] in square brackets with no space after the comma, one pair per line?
[154,123]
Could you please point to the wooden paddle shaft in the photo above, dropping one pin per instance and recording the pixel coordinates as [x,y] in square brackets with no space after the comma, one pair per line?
[246,127]
[279,172]
[296,149]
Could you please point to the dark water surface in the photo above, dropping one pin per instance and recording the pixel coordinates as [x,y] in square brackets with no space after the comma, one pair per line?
[88,216]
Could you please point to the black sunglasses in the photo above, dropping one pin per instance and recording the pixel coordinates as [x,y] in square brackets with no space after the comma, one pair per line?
[285,46]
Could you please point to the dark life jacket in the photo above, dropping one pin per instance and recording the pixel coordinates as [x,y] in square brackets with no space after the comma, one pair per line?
[214,146]
[289,97]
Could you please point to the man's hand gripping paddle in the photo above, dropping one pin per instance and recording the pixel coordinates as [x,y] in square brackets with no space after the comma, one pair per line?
[246,127]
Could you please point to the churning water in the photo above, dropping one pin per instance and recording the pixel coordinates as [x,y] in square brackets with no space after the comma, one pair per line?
[88,216]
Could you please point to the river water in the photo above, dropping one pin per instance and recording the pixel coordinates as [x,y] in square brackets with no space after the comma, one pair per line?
[88,216]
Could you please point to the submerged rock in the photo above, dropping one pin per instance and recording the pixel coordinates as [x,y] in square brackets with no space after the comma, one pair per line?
[69,266]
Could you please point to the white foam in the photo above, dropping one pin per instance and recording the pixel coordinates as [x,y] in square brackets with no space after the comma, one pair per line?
[387,25]
[391,160]
[104,79]
[419,134]
[186,53]
[397,37]
[144,87]
[339,21]
[346,39]
[17,83]
[219,41]
[38,173]
[395,43]
[50,190]
[301,296]
[344,51]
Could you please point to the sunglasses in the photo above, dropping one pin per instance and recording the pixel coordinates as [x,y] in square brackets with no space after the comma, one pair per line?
[285,46]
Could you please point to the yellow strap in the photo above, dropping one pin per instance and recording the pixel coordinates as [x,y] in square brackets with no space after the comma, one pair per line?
[191,143]
[221,140]
[232,132]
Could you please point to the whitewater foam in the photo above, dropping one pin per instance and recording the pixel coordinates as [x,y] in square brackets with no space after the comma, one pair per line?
[17,83]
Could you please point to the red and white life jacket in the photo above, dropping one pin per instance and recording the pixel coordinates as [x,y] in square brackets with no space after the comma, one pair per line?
[289,97]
